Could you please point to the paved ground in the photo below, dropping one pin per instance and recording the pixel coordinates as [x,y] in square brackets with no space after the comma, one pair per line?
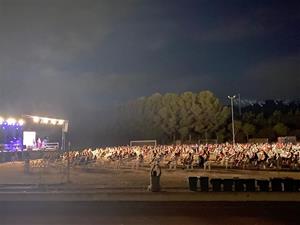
[124,178]
[111,208]
[144,196]
[148,213]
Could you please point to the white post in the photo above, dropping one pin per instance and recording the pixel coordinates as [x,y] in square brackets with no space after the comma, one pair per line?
[232,118]
[68,163]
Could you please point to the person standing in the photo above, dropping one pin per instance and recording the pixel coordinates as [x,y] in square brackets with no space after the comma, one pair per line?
[39,143]
[155,174]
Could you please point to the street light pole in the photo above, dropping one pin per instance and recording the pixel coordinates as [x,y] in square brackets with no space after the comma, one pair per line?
[232,118]
[68,163]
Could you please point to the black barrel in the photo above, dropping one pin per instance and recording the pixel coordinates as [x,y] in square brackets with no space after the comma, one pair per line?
[193,181]
[276,184]
[296,185]
[216,184]
[250,185]
[263,185]
[239,185]
[227,185]
[204,184]
[288,184]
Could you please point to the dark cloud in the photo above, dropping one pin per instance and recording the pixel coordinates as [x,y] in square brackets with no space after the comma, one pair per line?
[74,58]
[278,78]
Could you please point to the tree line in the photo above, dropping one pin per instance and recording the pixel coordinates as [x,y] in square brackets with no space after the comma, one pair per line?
[192,116]
[271,126]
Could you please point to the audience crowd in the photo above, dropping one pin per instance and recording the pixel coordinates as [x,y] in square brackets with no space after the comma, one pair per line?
[254,156]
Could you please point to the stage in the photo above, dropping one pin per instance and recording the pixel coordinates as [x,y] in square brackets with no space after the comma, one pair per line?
[32,133]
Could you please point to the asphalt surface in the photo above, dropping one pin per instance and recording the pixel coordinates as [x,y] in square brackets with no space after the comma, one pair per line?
[146,213]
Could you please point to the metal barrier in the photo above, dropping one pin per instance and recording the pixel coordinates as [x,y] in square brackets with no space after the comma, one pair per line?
[52,146]
[48,146]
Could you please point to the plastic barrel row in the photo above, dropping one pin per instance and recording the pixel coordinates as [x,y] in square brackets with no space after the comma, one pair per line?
[243,185]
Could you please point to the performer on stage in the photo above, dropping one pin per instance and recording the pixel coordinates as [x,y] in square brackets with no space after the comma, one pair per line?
[39,143]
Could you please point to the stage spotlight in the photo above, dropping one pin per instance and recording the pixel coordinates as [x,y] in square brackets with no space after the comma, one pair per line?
[36,119]
[11,121]
[53,121]
[21,122]
[1,120]
[61,122]
[45,120]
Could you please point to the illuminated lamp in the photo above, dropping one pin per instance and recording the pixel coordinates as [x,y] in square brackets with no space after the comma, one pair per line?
[53,121]
[45,120]
[21,122]
[61,122]
[11,121]
[36,119]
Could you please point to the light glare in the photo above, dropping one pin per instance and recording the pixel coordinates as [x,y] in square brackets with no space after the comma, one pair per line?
[21,122]
[45,120]
[36,119]
[61,122]
[53,121]
[11,121]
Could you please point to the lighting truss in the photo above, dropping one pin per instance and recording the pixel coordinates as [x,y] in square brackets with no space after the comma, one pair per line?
[47,120]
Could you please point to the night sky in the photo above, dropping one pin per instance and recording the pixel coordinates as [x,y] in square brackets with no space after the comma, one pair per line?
[74,59]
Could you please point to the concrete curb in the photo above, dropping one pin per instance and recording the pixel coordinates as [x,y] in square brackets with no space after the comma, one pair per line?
[148,196]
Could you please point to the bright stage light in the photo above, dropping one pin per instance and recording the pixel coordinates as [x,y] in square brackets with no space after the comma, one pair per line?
[36,119]
[53,121]
[1,120]
[21,122]
[45,120]
[61,122]
[11,121]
